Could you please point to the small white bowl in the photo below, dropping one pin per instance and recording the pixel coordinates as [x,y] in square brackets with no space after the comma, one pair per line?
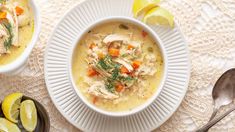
[160,45]
[17,65]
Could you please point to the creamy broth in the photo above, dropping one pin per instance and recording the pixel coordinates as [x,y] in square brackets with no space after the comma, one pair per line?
[25,32]
[130,97]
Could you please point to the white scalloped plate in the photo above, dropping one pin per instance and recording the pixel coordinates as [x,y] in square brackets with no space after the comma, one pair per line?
[66,99]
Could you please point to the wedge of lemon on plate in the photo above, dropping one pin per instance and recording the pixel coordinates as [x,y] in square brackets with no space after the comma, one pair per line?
[142,6]
[11,105]
[159,15]
[28,115]
[7,126]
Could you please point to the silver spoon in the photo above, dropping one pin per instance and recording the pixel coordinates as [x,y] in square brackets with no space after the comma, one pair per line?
[223,94]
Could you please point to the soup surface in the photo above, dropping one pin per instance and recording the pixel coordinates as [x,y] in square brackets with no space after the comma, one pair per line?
[117,66]
[16,29]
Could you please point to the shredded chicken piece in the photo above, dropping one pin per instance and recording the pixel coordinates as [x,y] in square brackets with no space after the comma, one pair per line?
[2,31]
[23,19]
[98,89]
[124,63]
[115,37]
[3,36]
[13,20]
[149,67]
[135,43]
[102,72]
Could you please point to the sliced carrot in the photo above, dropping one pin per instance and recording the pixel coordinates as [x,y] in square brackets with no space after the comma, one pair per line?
[123,69]
[95,99]
[130,47]
[101,55]
[3,15]
[136,64]
[92,46]
[92,72]
[19,10]
[114,52]
[119,87]
[144,34]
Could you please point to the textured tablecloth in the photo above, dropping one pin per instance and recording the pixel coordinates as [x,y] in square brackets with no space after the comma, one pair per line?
[209,28]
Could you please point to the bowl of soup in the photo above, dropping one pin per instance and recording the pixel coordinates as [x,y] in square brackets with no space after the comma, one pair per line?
[118,66]
[19,31]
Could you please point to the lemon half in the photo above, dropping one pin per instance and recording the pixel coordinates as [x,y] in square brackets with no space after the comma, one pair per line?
[142,6]
[160,16]
[11,105]
[7,126]
[28,115]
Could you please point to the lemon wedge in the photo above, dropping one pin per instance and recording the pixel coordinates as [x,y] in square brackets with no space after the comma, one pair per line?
[28,115]
[7,126]
[11,105]
[142,6]
[160,16]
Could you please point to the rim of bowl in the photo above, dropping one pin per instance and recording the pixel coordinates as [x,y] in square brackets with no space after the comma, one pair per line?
[20,60]
[154,36]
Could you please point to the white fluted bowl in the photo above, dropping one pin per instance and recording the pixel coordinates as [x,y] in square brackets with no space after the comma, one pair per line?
[159,44]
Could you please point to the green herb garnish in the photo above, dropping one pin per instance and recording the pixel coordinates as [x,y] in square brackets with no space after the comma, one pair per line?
[109,85]
[124,55]
[106,63]
[103,65]
[126,79]
[115,73]
[113,68]
[8,42]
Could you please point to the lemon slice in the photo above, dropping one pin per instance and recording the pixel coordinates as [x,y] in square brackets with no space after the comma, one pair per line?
[28,115]
[160,16]
[142,6]
[7,126]
[11,105]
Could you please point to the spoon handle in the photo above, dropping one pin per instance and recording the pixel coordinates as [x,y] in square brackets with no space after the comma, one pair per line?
[215,120]
[214,113]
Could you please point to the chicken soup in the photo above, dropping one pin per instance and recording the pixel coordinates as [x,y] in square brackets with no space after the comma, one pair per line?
[117,66]
[16,29]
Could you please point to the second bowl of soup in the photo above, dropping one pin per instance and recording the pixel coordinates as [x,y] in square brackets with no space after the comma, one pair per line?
[19,31]
[118,66]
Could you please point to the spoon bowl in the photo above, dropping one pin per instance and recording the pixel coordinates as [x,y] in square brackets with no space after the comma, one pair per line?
[224,91]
